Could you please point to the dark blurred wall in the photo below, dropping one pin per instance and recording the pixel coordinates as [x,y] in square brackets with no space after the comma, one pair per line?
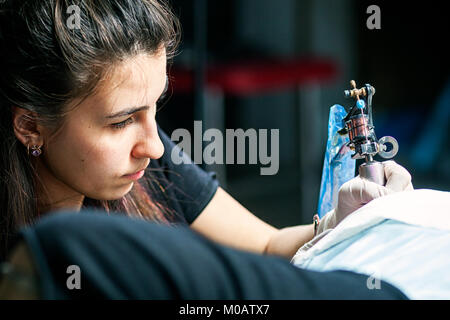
[408,58]
[408,62]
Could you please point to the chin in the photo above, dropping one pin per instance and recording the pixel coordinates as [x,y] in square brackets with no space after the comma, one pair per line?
[115,194]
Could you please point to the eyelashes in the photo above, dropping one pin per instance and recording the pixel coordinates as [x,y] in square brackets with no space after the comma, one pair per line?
[130,120]
[122,124]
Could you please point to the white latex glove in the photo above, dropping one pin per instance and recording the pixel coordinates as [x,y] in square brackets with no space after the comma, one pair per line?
[358,191]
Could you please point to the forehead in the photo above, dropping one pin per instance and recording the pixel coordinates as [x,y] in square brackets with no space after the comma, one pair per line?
[141,71]
[135,81]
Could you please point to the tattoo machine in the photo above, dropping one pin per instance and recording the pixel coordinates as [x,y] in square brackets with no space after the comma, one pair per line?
[352,130]
[363,141]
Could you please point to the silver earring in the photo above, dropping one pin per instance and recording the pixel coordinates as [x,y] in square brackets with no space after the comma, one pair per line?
[35,150]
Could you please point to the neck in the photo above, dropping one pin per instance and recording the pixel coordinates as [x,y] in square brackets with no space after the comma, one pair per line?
[53,194]
[69,204]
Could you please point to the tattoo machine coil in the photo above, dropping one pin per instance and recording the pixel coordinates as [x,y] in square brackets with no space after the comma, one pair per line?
[358,124]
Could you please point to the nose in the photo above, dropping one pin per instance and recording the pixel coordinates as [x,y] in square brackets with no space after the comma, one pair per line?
[149,144]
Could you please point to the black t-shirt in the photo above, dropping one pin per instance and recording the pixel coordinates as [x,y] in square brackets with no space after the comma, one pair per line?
[187,187]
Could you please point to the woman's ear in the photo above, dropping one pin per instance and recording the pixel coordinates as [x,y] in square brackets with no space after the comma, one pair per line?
[26,128]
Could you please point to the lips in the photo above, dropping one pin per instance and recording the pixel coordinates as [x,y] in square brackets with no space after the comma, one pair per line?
[137,171]
[136,175]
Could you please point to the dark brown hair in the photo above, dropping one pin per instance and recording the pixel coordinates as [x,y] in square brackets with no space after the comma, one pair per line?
[46,62]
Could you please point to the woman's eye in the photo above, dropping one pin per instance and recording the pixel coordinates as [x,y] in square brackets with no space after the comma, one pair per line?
[122,124]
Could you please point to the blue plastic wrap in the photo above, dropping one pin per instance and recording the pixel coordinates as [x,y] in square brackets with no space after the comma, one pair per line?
[338,166]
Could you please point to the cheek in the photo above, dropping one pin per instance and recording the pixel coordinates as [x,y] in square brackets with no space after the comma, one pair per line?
[85,163]
[108,160]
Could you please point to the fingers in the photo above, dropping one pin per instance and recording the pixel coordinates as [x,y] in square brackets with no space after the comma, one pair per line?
[397,177]
[358,191]
[364,191]
[328,221]
[371,190]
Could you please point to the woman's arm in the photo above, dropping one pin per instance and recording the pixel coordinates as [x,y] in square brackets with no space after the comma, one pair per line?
[285,242]
[226,221]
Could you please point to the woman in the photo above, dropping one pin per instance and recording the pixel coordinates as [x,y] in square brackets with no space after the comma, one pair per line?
[77,109]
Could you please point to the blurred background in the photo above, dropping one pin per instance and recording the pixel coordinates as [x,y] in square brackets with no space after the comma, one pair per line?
[266,64]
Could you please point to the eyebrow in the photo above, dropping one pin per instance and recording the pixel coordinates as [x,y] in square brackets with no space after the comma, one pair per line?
[127,112]
[132,110]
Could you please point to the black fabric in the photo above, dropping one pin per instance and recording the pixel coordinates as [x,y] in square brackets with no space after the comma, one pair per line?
[126,258]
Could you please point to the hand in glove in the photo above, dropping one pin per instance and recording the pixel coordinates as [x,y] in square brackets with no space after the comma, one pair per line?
[357,192]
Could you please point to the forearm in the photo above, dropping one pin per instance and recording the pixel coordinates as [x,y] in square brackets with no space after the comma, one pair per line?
[288,240]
